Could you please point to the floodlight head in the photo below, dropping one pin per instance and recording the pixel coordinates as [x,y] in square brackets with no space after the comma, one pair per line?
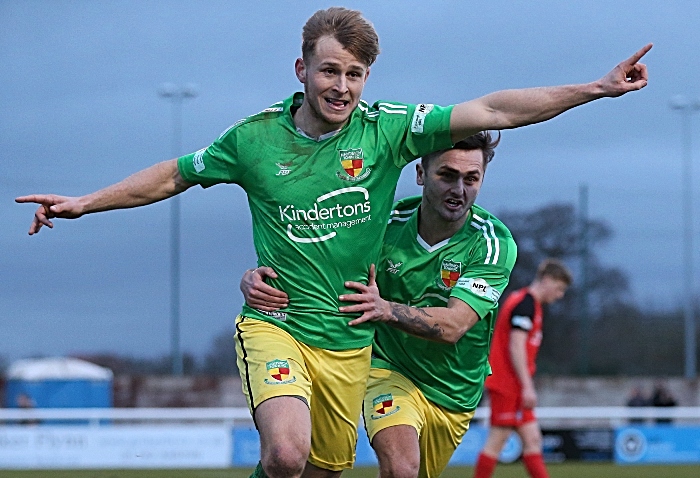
[167,90]
[678,102]
[189,91]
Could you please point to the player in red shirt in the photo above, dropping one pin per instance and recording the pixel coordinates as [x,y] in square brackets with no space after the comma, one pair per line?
[516,340]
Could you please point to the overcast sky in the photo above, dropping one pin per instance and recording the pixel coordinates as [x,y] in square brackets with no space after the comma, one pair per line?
[79,110]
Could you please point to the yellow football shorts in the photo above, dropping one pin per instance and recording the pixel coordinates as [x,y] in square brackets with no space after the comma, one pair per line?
[392,399]
[274,364]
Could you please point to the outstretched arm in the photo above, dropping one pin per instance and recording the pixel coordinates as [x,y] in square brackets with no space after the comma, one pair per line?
[150,185]
[441,324]
[513,108]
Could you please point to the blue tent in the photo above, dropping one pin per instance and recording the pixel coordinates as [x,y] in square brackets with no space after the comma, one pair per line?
[58,382]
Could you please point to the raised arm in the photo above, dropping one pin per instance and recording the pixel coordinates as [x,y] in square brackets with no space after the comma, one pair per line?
[441,324]
[514,108]
[150,185]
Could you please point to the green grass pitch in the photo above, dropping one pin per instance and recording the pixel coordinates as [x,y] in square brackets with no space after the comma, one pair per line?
[566,470]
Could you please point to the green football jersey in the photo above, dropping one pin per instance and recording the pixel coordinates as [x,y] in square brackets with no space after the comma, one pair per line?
[319,208]
[474,266]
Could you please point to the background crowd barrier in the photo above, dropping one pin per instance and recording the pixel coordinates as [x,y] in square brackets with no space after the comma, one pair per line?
[225,437]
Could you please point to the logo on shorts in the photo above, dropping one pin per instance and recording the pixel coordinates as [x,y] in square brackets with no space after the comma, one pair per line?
[384,406]
[352,161]
[279,371]
[449,274]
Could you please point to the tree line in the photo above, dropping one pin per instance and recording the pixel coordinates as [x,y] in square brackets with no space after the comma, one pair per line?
[609,334]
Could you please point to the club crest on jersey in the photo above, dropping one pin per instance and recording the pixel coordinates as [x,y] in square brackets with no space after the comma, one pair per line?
[383,406]
[279,371]
[449,274]
[353,163]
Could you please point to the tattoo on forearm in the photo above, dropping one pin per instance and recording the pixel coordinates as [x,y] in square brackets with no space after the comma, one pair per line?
[413,320]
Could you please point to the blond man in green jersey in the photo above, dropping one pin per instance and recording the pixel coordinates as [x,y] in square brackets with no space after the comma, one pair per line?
[320,170]
[444,263]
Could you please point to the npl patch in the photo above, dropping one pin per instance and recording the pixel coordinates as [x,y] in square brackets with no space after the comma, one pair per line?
[480,287]
[418,121]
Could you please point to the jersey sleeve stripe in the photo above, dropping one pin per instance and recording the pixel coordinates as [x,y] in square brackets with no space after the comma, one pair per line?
[393,112]
[237,123]
[496,242]
[489,232]
[398,219]
[401,215]
[391,105]
[403,212]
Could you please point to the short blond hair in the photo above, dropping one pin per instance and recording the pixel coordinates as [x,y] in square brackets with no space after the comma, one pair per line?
[353,31]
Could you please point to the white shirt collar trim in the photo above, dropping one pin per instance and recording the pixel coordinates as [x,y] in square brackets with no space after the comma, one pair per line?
[330,134]
[430,248]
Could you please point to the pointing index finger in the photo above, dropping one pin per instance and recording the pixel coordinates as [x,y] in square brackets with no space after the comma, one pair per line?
[639,54]
[35,198]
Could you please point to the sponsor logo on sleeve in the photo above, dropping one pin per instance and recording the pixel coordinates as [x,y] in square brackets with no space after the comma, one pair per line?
[353,164]
[279,372]
[383,406]
[418,121]
[198,161]
[479,287]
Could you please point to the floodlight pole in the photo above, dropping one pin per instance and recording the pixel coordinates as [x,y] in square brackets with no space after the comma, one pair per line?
[177,95]
[584,251]
[687,108]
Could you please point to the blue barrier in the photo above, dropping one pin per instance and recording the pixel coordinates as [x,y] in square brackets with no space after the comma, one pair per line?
[657,444]
[246,448]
